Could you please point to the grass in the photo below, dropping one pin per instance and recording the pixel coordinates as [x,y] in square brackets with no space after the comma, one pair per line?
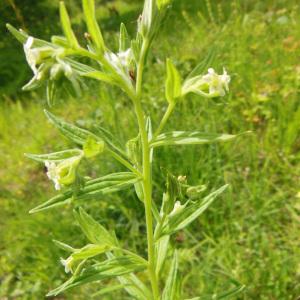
[251,234]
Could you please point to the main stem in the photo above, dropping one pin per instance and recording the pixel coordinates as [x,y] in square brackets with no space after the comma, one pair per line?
[147,181]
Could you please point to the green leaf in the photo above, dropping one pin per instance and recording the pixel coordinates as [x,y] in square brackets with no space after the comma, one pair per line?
[124,41]
[66,25]
[189,213]
[172,284]
[189,138]
[173,83]
[20,35]
[173,192]
[74,133]
[110,140]
[95,232]
[92,147]
[161,248]
[64,246]
[110,268]
[92,190]
[92,25]
[55,156]
[101,76]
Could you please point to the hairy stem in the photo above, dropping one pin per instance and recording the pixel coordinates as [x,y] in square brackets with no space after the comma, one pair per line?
[147,180]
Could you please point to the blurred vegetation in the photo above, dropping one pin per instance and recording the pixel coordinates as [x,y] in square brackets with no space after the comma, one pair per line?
[251,234]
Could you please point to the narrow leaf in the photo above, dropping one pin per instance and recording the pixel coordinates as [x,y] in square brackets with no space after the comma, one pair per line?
[55,156]
[74,133]
[95,232]
[171,287]
[108,269]
[189,138]
[173,83]
[20,35]
[66,25]
[161,248]
[92,25]
[91,190]
[124,41]
[64,246]
[189,213]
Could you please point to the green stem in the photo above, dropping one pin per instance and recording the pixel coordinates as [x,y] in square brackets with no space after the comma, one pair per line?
[147,180]
[164,119]
[124,162]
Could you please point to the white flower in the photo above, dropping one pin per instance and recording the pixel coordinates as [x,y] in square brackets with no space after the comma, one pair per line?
[177,208]
[121,59]
[32,54]
[67,263]
[63,172]
[218,84]
[209,85]
[35,56]
[52,173]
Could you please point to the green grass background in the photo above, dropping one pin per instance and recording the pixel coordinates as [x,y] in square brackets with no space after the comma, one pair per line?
[251,234]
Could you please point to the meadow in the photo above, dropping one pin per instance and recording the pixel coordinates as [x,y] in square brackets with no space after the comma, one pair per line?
[250,235]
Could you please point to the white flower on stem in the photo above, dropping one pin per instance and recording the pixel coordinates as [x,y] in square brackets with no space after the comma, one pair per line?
[121,59]
[67,263]
[53,174]
[32,54]
[218,84]
[177,208]
[209,85]
[62,172]
[36,56]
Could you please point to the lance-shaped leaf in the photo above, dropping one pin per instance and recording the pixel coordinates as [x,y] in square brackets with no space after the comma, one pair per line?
[173,83]
[91,190]
[110,140]
[92,24]
[93,230]
[110,268]
[80,136]
[55,156]
[124,41]
[189,138]
[66,25]
[161,250]
[74,133]
[172,283]
[188,213]
[20,35]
